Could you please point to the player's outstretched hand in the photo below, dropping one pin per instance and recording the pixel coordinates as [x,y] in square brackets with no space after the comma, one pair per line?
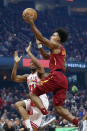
[16,58]
[28,49]
[28,18]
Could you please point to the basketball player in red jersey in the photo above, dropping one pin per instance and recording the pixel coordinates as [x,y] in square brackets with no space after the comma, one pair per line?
[31,115]
[56,81]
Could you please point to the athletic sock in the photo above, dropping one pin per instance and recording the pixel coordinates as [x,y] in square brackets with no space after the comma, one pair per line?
[28,124]
[75,122]
[44,111]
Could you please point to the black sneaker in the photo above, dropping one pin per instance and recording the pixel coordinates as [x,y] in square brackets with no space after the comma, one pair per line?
[80,126]
[46,123]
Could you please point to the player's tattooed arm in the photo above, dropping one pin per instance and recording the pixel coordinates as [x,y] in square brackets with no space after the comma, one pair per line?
[40,37]
[45,41]
[34,59]
[42,51]
[14,76]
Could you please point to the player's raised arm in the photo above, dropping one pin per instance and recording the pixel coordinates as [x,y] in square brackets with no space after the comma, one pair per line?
[42,51]
[14,76]
[34,59]
[39,36]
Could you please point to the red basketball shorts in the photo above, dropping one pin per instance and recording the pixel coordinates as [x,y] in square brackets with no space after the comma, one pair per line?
[57,83]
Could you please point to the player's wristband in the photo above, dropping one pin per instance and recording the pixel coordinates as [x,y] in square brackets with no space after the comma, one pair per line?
[40,46]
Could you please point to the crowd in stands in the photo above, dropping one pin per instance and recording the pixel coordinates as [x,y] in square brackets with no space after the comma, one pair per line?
[15,33]
[76,102]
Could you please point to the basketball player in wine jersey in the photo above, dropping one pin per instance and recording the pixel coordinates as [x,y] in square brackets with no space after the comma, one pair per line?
[56,81]
[30,114]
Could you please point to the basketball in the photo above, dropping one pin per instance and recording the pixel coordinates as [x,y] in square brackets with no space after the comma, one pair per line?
[31,12]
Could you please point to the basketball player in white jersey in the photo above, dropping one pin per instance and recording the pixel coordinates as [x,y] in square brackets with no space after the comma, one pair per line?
[30,114]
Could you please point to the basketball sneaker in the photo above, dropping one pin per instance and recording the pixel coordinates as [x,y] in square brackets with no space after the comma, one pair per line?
[46,123]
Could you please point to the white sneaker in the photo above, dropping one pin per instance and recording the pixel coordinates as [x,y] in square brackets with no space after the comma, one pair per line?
[46,123]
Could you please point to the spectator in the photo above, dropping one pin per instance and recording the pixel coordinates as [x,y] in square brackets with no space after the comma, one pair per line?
[10,126]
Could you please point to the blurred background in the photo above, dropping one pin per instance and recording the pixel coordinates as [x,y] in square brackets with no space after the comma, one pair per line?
[15,35]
